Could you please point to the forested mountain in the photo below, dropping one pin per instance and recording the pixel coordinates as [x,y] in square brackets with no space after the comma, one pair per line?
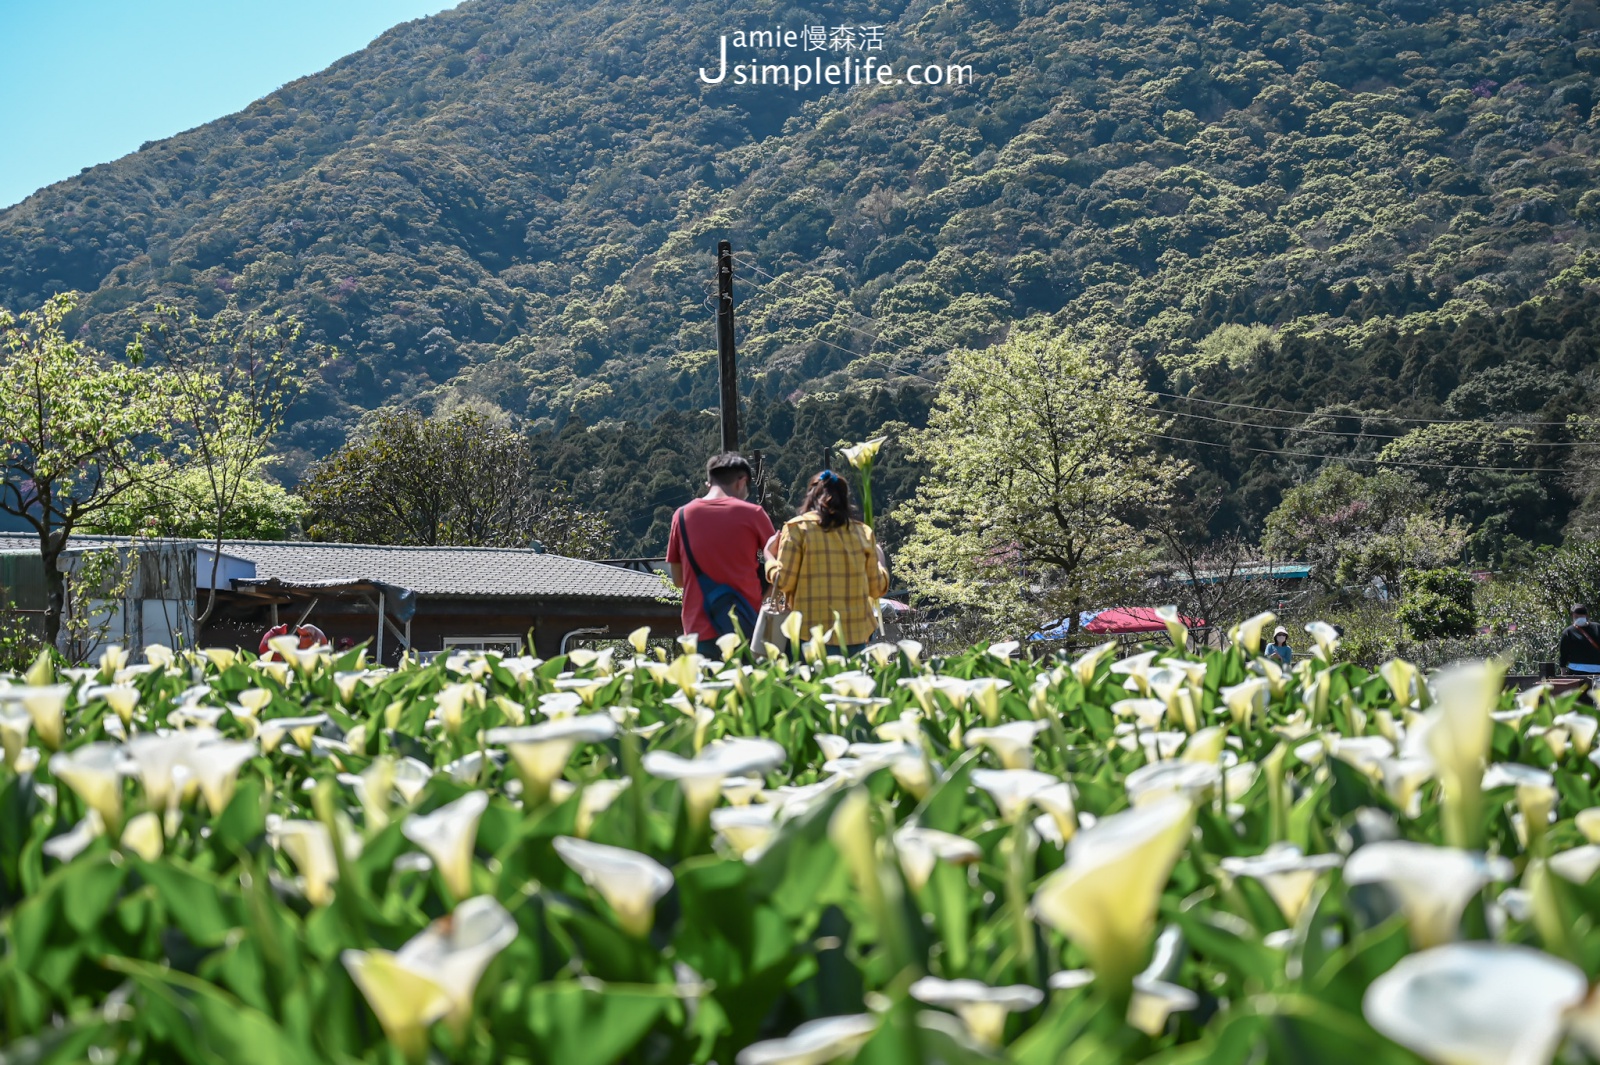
[1383,206]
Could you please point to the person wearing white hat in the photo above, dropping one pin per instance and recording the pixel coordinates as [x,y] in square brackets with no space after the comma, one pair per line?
[1279,649]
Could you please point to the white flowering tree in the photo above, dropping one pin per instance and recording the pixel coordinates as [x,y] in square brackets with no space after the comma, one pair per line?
[1041,458]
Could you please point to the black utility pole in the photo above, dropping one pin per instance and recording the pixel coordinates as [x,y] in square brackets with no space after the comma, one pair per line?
[727,366]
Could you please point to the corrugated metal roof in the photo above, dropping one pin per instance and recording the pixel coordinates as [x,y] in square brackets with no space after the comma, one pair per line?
[468,572]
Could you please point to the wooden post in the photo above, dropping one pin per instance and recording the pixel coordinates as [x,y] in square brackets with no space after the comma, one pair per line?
[727,366]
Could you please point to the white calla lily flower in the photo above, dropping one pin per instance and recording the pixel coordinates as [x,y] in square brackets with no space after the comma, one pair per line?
[982,1008]
[454,951]
[448,835]
[214,768]
[541,751]
[1431,884]
[596,797]
[701,777]
[309,845]
[1149,713]
[813,1043]
[1476,1003]
[1012,789]
[1085,665]
[1246,635]
[1577,864]
[1154,1000]
[1156,780]
[631,883]
[94,772]
[142,835]
[405,1001]
[920,848]
[1580,728]
[1012,742]
[14,726]
[1326,637]
[67,846]
[747,830]
[1246,699]
[46,705]
[1104,898]
[1287,875]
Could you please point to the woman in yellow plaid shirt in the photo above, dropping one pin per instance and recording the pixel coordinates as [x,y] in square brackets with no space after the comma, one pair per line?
[827,563]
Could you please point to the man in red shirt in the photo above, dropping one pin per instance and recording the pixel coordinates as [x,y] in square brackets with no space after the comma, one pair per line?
[725,536]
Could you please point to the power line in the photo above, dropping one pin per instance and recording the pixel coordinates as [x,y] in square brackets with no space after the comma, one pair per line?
[1243,424]
[1358,414]
[1359,434]
[1358,458]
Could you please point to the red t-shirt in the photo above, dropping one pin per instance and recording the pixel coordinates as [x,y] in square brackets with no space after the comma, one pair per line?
[727,535]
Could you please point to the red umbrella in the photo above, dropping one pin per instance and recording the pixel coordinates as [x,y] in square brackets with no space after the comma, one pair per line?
[1125,619]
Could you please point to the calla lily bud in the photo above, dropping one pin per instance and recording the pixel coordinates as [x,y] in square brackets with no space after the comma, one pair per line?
[1085,665]
[1105,897]
[1246,636]
[1457,734]
[112,659]
[1401,676]
[14,726]
[1177,631]
[1205,745]
[43,670]
[631,883]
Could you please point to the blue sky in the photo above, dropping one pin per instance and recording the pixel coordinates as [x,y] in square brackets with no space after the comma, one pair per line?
[88,81]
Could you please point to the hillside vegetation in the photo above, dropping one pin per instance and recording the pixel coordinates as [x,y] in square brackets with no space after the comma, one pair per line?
[1332,207]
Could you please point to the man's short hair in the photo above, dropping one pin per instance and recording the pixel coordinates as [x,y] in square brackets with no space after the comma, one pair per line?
[724,470]
[1580,608]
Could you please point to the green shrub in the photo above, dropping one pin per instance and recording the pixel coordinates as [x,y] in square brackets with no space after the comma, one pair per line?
[1436,604]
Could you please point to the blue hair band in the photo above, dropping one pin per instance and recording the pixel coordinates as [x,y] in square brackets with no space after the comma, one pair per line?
[827,475]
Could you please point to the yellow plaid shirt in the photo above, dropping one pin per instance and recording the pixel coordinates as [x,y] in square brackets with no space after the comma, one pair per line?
[823,571]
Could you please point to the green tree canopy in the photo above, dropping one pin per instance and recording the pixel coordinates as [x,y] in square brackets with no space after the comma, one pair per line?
[1353,529]
[184,506]
[464,478]
[1041,464]
[78,431]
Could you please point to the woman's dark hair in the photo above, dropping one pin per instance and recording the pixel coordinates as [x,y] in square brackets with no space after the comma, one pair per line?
[829,495]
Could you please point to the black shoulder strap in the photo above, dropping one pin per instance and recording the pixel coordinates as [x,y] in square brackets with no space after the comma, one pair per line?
[1583,630]
[683,537]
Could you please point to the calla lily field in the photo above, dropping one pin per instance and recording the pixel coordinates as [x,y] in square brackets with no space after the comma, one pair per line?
[624,855]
